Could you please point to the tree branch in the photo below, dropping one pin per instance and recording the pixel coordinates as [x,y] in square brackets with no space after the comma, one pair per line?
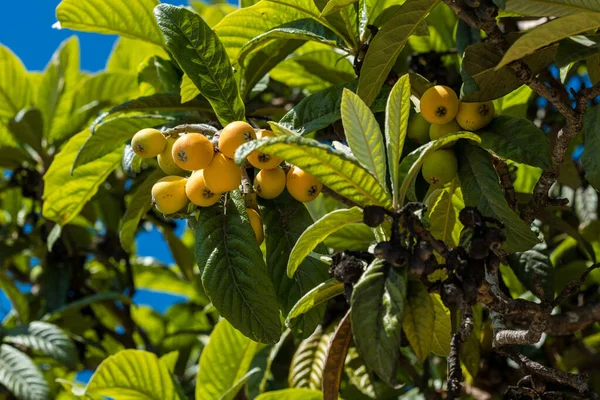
[454,370]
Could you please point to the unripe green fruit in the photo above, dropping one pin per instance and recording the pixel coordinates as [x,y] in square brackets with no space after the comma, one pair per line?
[418,129]
[168,194]
[165,159]
[439,167]
[437,131]
[148,143]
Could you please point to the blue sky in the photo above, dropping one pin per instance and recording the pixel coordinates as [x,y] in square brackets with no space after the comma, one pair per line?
[26,28]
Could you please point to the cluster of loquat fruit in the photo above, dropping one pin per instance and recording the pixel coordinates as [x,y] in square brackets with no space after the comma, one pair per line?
[442,113]
[213,171]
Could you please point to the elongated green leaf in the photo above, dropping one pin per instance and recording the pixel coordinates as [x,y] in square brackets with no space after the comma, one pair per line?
[318,231]
[533,268]
[378,307]
[27,128]
[589,158]
[45,338]
[553,8]
[313,68]
[517,139]
[12,157]
[593,65]
[111,135]
[363,135]
[396,124]
[336,170]
[292,394]
[321,109]
[334,6]
[443,215]
[86,301]
[165,280]
[237,386]
[411,164]
[318,295]
[360,376]
[212,13]
[57,87]
[202,57]
[234,274]
[138,206]
[132,19]
[65,194]
[549,33]
[442,327]
[419,319]
[470,352]
[514,103]
[15,88]
[21,376]
[302,29]
[232,352]
[127,54]
[481,189]
[336,356]
[285,221]
[16,297]
[188,91]
[387,44]
[181,253]
[479,64]
[133,374]
[306,368]
[576,48]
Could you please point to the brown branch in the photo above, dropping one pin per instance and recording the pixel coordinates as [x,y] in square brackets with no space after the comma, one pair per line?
[204,129]
[506,182]
[453,363]
[574,285]
[573,321]
[342,199]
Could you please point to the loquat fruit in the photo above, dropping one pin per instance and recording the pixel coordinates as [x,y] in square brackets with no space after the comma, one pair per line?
[166,161]
[263,160]
[233,136]
[168,194]
[439,167]
[222,174]
[474,116]
[148,143]
[269,183]
[437,131]
[198,193]
[302,186]
[192,151]
[439,104]
[418,129]
[257,225]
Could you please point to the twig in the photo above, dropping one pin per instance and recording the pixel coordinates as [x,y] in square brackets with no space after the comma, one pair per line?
[204,129]
[453,364]
[506,182]
[574,285]
[342,199]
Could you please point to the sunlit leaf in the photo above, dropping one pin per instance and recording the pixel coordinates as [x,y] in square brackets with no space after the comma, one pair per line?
[419,319]
[20,375]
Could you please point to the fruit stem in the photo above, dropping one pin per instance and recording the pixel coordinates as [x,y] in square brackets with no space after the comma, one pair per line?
[204,129]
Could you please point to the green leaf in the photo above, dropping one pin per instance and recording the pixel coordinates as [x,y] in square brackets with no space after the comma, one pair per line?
[212,13]
[318,231]
[548,33]
[363,135]
[127,54]
[336,170]
[17,298]
[188,90]
[114,17]
[313,68]
[514,103]
[237,386]
[45,338]
[593,66]
[21,376]
[201,55]
[576,48]
[160,102]
[377,310]
[533,268]
[553,8]
[466,35]
[232,352]
[306,368]
[65,194]
[443,215]
[57,88]
[234,274]
[77,305]
[517,139]
[387,44]
[480,62]
[419,319]
[184,258]
[481,189]
[15,88]
[396,124]
[470,353]
[291,394]
[131,162]
[318,295]
[12,157]
[411,164]
[139,204]
[165,280]
[360,376]
[589,158]
[111,136]
[285,221]
[27,128]
[133,374]
[334,6]
[442,327]
[170,360]
[321,109]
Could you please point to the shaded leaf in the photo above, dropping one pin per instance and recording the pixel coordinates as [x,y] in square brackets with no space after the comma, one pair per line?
[419,319]
[17,299]
[554,8]
[576,48]
[21,376]
[533,268]
[306,368]
[336,356]
[589,158]
[127,54]
[291,394]
[318,295]
[27,128]
[442,327]
[443,215]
